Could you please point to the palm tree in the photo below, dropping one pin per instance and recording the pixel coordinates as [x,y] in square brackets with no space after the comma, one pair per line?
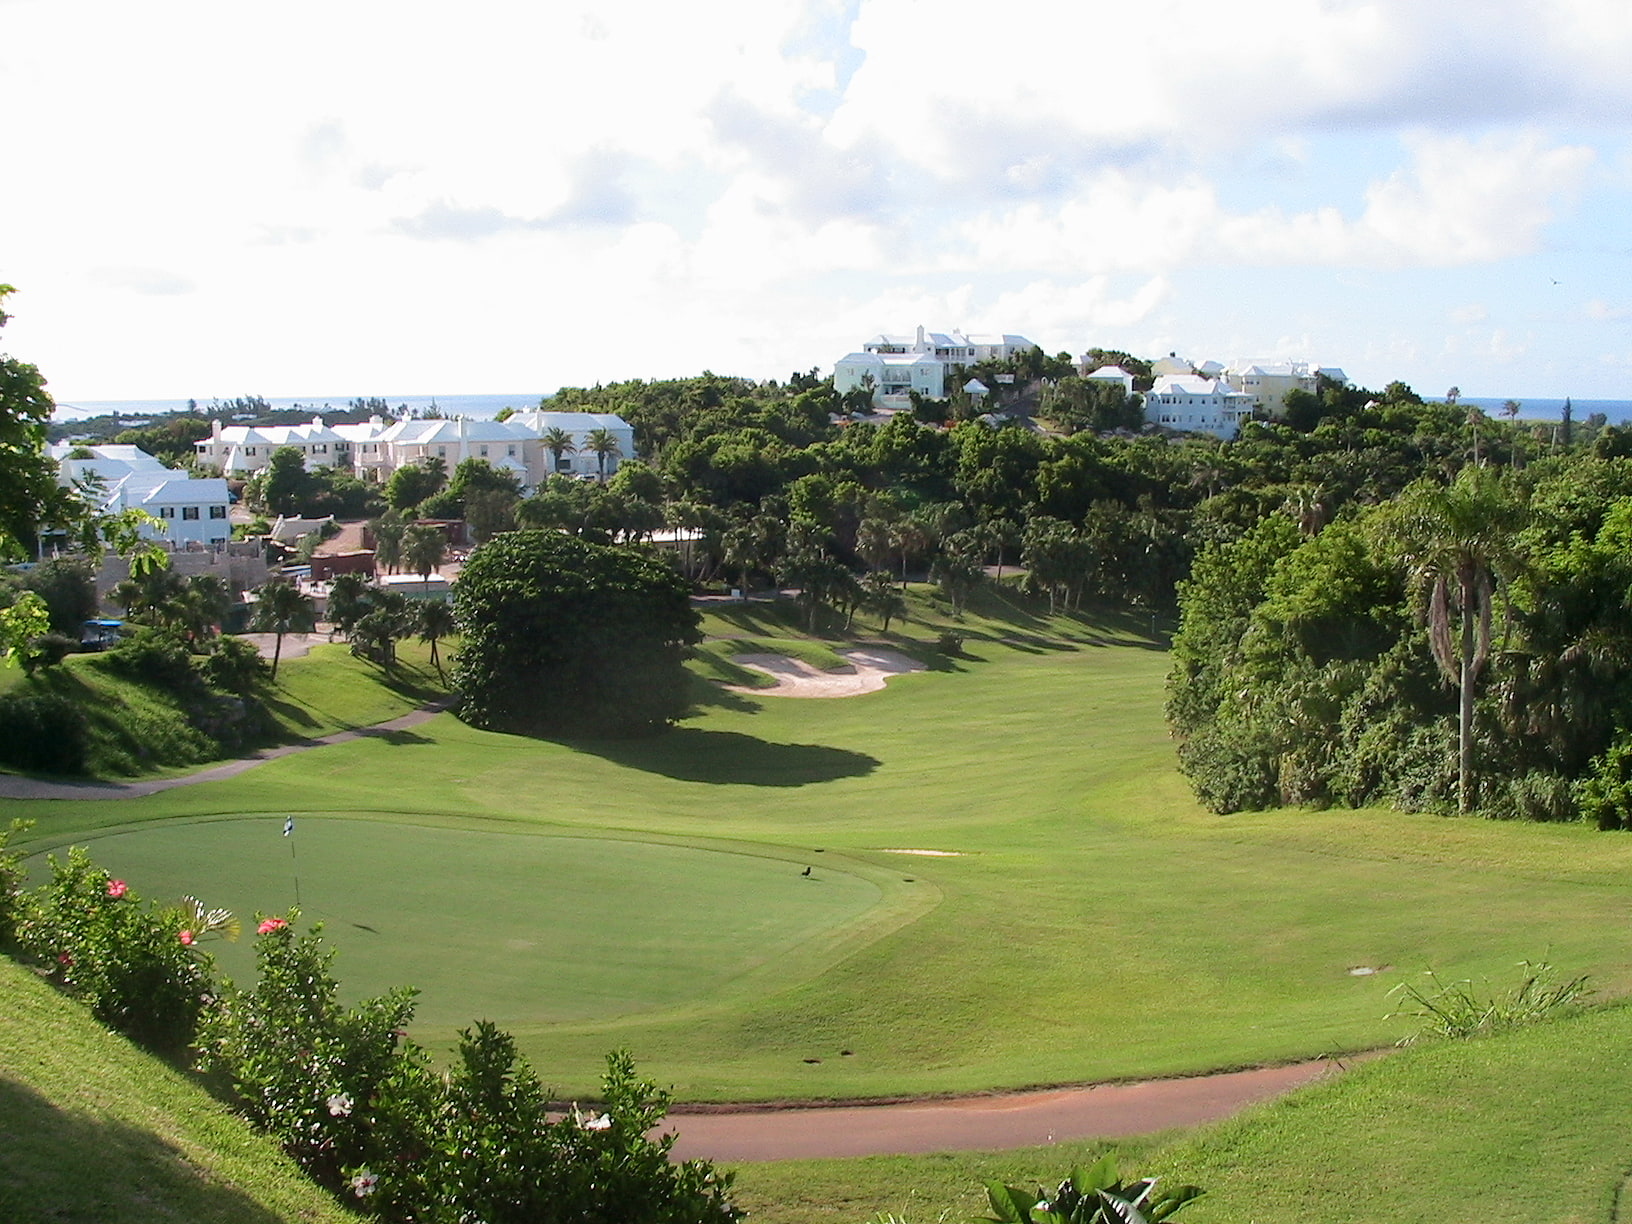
[435,622]
[387,531]
[558,442]
[1456,543]
[604,445]
[281,608]
[423,548]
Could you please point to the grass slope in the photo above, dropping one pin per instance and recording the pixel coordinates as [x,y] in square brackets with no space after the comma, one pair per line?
[93,1130]
[1094,924]
[1531,1125]
[139,729]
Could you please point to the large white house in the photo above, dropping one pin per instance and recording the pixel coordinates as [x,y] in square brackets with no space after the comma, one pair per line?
[379,446]
[895,366]
[1192,404]
[191,510]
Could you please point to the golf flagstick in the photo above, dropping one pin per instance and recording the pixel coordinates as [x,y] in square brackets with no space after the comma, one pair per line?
[289,832]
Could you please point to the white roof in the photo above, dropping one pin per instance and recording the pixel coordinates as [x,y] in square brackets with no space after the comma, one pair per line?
[1109,373]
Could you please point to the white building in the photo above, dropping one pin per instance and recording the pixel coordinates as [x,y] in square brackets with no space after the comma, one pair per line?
[1115,374]
[1269,381]
[1192,404]
[191,510]
[241,450]
[379,446]
[895,366]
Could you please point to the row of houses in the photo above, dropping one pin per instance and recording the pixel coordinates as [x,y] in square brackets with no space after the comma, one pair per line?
[1209,398]
[524,445]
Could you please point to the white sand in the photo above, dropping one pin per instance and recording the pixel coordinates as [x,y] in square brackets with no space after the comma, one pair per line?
[866,672]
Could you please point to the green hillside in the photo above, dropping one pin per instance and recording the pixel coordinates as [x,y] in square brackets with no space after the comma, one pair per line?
[93,1130]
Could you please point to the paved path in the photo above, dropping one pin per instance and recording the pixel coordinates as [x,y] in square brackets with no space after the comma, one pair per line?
[14,787]
[988,1123]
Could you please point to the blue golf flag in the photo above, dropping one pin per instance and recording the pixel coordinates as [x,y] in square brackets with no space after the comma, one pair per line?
[288,826]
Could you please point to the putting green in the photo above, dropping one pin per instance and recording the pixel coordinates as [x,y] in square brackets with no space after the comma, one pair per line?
[517,927]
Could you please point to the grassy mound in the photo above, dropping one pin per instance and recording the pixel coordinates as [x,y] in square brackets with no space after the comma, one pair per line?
[92,1129]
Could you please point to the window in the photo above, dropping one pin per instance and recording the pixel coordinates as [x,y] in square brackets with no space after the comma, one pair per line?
[441,452]
[167,512]
[511,451]
[189,512]
[218,512]
[249,450]
[484,452]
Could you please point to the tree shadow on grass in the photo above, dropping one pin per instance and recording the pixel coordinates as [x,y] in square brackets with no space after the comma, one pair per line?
[694,754]
[61,1165]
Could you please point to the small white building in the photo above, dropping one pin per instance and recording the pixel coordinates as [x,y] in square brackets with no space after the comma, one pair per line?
[191,510]
[896,366]
[1189,403]
[1114,374]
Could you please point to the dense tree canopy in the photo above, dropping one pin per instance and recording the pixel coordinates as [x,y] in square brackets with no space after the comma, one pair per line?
[563,637]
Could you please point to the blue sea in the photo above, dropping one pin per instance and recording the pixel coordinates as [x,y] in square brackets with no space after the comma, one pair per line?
[476,407]
[1618,412]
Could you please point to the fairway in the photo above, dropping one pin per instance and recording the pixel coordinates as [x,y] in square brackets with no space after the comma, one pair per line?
[1090,921]
[522,928]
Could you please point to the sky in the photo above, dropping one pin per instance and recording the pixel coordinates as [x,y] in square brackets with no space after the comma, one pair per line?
[358,198]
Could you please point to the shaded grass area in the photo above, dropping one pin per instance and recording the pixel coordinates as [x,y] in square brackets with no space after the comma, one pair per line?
[136,729]
[1530,1125]
[93,1130]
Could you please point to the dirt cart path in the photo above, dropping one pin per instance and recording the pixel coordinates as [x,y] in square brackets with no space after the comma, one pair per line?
[987,1123]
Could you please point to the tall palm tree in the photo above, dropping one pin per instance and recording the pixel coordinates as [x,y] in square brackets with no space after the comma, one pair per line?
[279,609]
[558,442]
[604,445]
[1456,543]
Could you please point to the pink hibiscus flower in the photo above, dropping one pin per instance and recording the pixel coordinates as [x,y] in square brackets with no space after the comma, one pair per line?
[116,888]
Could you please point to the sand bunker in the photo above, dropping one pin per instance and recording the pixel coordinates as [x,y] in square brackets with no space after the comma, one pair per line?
[866,672]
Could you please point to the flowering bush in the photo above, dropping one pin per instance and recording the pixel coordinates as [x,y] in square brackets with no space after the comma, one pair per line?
[478,1144]
[305,1069]
[134,965]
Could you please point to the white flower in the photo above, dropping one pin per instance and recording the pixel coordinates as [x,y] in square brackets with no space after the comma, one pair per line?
[363,1184]
[604,1122]
[340,1105]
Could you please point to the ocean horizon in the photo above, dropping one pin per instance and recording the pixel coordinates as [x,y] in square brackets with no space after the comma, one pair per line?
[486,407]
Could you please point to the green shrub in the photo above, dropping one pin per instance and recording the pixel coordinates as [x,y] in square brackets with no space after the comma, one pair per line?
[48,650]
[12,881]
[1089,1196]
[306,1070]
[1605,794]
[42,732]
[365,1113]
[1230,769]
[233,666]
[158,657]
[1459,1009]
[484,1148]
[137,967]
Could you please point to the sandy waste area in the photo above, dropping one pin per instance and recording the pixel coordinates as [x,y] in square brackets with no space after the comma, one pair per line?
[866,672]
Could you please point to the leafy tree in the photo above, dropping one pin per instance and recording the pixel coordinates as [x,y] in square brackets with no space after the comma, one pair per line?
[280,608]
[29,495]
[880,595]
[563,637]
[411,484]
[285,484]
